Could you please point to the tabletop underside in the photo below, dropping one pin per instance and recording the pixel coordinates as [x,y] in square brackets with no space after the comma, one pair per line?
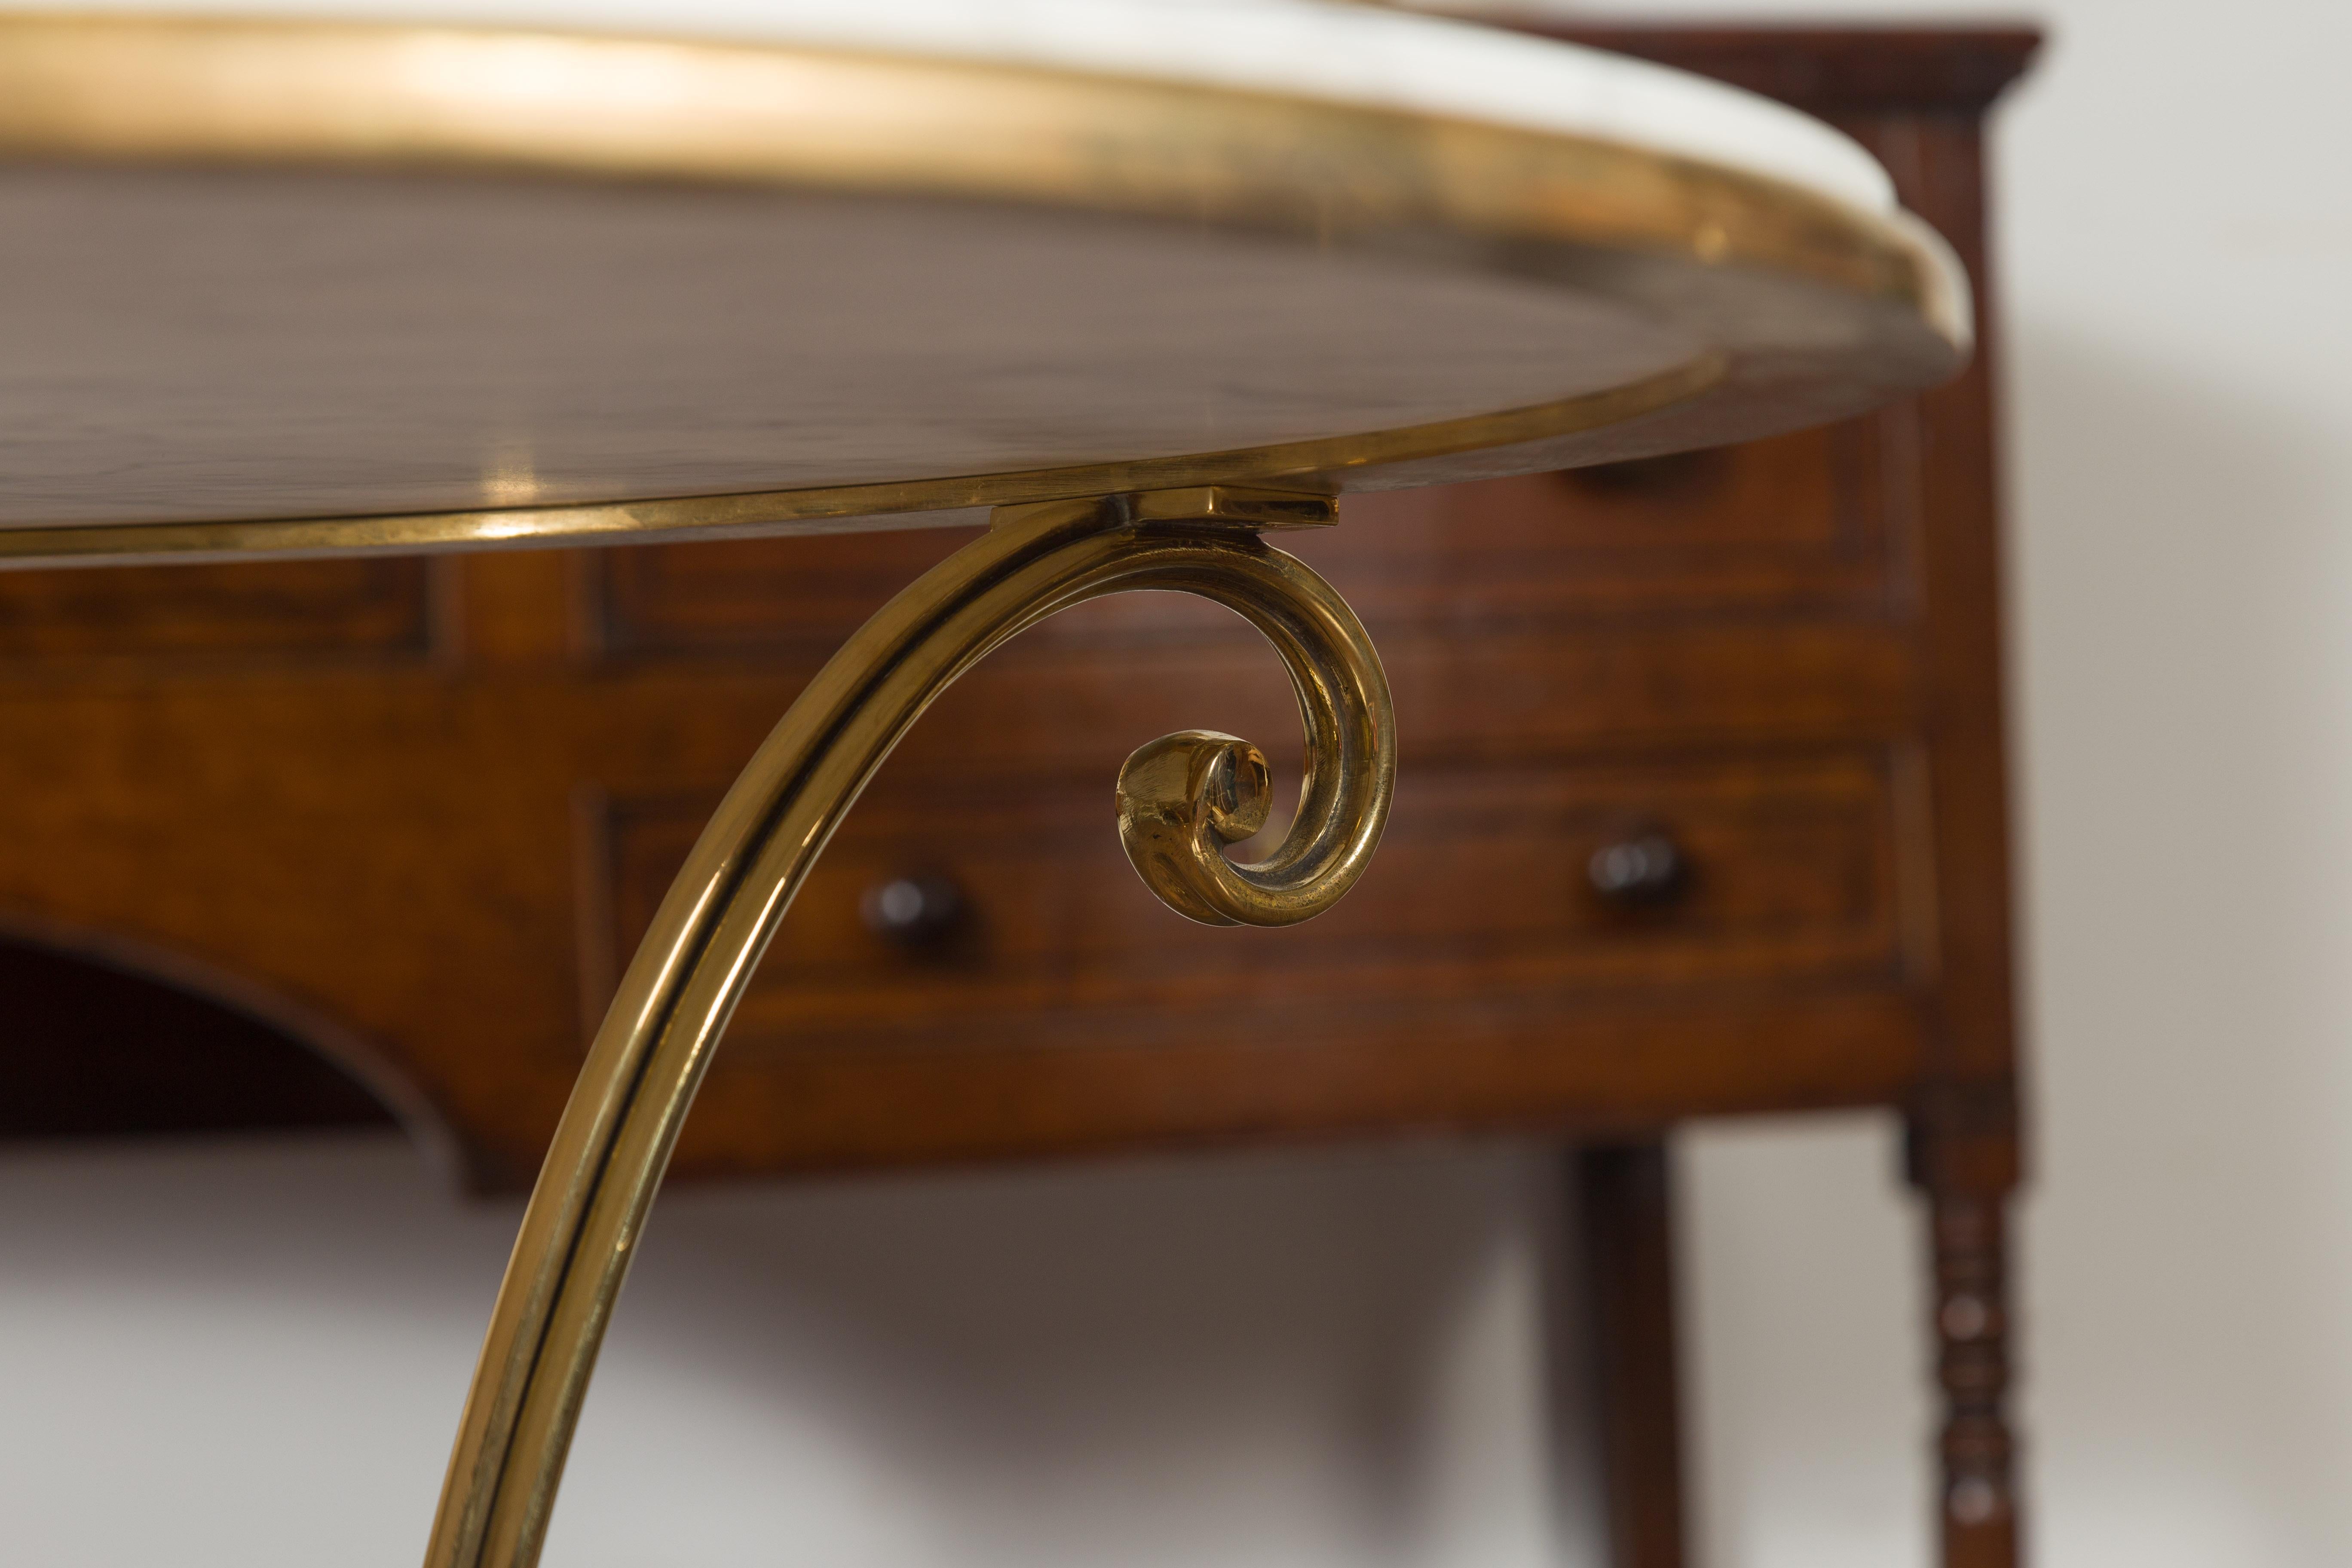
[910,290]
[232,344]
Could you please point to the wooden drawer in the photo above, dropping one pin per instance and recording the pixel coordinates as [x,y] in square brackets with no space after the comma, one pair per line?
[289,607]
[1795,524]
[1481,888]
[800,595]
[1472,981]
[1790,523]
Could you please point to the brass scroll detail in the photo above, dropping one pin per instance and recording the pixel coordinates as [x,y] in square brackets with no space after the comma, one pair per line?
[1182,800]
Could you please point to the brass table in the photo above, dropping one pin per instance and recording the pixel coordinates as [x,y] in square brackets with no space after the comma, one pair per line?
[1140,283]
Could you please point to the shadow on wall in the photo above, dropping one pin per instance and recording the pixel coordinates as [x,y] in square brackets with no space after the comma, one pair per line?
[252,1354]
[1330,1358]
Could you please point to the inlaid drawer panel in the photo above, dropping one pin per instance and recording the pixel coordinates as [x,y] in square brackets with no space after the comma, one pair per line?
[1486,881]
[355,606]
[1795,521]
[756,594]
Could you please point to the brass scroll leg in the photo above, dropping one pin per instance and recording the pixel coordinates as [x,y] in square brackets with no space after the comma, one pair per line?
[1182,800]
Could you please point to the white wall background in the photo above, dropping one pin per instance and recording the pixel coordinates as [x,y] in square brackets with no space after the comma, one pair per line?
[254,1355]
[2175,213]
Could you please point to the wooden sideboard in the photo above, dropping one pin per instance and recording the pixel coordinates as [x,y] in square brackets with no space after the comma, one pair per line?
[1701,813]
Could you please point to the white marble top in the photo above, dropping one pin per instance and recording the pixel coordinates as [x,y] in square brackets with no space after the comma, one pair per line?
[1341,53]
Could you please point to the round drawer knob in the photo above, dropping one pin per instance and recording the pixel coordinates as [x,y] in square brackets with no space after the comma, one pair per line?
[1638,868]
[914,911]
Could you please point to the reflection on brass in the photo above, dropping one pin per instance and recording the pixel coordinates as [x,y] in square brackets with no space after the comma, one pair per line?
[1181,800]
[1237,505]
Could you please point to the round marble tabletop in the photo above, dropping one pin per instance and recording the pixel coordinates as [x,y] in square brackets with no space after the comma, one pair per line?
[504,270]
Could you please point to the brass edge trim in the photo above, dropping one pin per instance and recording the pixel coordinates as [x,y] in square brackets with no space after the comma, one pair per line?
[620,521]
[350,93]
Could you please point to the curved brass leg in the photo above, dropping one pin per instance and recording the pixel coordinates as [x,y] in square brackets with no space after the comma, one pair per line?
[1180,801]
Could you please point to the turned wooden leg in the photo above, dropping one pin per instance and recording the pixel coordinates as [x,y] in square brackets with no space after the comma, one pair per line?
[1623,1198]
[1967,1173]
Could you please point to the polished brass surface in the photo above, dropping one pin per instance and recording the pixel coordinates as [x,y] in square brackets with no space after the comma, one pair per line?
[1182,799]
[1240,505]
[1778,306]
[343,94]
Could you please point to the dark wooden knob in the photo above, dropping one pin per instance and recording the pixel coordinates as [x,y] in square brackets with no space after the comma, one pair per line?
[1644,868]
[919,910]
